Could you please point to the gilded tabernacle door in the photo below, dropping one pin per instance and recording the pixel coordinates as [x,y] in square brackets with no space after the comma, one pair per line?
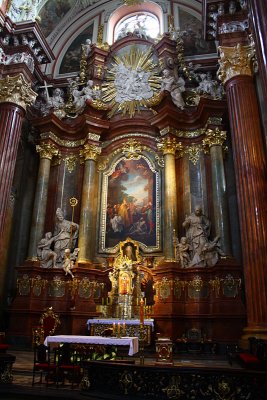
[130,205]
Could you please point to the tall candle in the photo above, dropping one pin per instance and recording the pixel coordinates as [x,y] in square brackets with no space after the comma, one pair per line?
[141,312]
[114,328]
[123,328]
[119,328]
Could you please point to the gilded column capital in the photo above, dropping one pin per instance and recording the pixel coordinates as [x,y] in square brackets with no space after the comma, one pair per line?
[214,137]
[90,152]
[234,61]
[47,150]
[15,89]
[170,146]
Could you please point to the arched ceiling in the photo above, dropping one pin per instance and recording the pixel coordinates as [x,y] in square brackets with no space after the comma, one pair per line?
[68,23]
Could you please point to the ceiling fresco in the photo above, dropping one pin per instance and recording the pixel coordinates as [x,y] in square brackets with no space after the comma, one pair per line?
[52,13]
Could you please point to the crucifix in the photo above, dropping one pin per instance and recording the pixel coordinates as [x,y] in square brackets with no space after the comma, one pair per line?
[46,86]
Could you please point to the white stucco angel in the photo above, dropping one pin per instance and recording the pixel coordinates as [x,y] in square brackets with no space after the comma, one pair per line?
[174,86]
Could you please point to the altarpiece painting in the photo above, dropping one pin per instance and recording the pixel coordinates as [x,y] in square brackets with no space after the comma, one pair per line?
[130,205]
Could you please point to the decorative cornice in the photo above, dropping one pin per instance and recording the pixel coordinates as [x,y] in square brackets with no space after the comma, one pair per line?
[61,142]
[234,61]
[170,146]
[47,150]
[15,89]
[182,134]
[90,152]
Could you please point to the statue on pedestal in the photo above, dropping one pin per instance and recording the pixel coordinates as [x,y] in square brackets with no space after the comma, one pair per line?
[196,249]
[67,234]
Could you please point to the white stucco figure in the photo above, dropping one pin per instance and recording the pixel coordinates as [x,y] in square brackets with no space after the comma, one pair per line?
[132,84]
[175,87]
[87,47]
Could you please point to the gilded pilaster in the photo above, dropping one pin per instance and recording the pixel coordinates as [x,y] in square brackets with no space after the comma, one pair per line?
[47,151]
[250,172]
[214,140]
[87,232]
[169,147]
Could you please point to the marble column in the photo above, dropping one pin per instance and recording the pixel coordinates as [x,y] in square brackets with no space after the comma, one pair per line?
[47,152]
[169,146]
[250,173]
[15,95]
[214,140]
[87,231]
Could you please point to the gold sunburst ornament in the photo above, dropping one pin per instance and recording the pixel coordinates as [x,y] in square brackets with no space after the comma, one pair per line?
[132,82]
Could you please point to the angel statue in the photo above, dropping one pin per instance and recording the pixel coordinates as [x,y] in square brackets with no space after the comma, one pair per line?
[181,251]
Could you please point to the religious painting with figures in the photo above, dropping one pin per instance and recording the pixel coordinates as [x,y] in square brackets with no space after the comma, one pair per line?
[131,207]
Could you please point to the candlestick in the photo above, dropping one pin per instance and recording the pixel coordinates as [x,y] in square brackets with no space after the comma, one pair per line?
[123,328]
[119,328]
[114,328]
[141,311]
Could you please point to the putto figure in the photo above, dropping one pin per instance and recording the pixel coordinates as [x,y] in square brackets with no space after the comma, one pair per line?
[68,263]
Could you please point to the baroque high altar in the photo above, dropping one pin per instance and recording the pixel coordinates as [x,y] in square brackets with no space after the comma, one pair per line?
[135,195]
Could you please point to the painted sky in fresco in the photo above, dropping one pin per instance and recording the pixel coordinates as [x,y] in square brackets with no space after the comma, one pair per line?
[52,13]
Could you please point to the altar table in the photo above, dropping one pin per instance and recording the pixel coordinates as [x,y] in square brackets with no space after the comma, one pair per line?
[97,326]
[132,342]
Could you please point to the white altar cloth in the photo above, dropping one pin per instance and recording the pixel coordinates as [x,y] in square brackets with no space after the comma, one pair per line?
[132,342]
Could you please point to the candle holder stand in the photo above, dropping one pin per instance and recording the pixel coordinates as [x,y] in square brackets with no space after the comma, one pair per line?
[141,344]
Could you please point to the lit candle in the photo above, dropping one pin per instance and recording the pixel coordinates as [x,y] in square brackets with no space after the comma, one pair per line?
[141,311]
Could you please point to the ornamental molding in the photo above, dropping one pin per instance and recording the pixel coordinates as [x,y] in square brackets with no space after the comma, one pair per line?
[132,149]
[63,143]
[182,133]
[15,89]
[194,151]
[70,162]
[234,61]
